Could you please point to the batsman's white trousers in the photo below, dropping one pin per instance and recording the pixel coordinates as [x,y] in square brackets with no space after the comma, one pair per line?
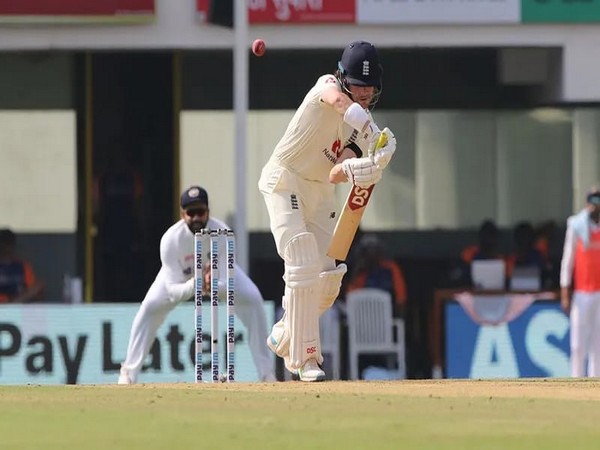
[156,305]
[298,206]
[585,333]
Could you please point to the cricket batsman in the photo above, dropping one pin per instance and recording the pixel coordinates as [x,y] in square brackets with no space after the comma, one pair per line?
[328,141]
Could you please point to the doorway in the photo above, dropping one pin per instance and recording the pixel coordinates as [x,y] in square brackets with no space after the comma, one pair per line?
[133,169]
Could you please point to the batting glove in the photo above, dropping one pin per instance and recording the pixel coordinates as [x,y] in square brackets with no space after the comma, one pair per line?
[362,172]
[383,156]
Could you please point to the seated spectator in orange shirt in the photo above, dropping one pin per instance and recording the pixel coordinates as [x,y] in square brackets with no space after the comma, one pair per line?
[525,253]
[374,270]
[487,248]
[545,234]
[17,280]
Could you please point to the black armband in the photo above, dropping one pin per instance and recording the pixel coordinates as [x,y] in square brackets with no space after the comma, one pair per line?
[355,148]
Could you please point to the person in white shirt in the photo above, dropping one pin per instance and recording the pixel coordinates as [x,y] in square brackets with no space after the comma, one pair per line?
[580,286]
[175,284]
[325,143]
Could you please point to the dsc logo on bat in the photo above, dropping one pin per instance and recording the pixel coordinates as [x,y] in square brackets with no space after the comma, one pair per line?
[359,197]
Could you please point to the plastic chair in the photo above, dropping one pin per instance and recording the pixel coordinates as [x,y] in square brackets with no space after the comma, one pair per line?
[371,327]
[329,325]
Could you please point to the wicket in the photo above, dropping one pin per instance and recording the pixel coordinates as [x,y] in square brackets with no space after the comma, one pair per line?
[214,239]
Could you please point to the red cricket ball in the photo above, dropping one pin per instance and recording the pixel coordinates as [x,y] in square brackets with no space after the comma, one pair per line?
[259,47]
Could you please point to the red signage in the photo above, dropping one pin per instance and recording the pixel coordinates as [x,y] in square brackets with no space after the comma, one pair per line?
[295,11]
[202,7]
[301,11]
[90,8]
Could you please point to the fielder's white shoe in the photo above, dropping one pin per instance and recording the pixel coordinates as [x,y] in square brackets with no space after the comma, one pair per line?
[124,377]
[311,371]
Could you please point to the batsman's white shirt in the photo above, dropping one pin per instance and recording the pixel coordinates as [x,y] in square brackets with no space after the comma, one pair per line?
[296,177]
[315,136]
[168,289]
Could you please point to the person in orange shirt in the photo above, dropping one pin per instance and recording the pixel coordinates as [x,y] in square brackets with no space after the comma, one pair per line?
[487,247]
[18,283]
[545,232]
[580,286]
[525,252]
[374,270]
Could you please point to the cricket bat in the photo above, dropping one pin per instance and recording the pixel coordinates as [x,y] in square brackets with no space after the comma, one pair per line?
[349,220]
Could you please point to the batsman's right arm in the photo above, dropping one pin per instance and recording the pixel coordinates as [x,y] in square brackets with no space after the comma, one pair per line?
[354,114]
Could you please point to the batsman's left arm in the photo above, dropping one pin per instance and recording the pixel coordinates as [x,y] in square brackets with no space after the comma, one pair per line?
[337,175]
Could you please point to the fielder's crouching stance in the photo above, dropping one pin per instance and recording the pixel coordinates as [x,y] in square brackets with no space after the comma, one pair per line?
[322,146]
[175,284]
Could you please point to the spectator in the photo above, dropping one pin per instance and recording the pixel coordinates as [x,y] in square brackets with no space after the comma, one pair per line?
[488,245]
[545,233]
[18,283]
[487,248]
[374,270]
[580,273]
[545,237]
[525,253]
[118,194]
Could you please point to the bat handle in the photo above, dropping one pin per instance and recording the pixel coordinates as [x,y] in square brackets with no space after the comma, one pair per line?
[381,142]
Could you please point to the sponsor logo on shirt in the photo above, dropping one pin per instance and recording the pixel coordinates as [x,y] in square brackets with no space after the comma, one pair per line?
[329,156]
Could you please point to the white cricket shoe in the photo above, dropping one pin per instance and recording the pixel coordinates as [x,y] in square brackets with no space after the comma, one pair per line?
[124,377]
[311,371]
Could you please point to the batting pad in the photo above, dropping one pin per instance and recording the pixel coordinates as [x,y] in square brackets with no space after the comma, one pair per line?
[330,282]
[280,338]
[303,321]
[302,261]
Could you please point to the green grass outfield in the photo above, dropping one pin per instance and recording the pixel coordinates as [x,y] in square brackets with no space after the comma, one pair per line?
[430,414]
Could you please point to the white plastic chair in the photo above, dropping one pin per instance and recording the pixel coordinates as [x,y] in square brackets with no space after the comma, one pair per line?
[371,326]
[329,325]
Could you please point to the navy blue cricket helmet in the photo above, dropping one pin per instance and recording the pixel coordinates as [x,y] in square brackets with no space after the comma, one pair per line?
[360,66]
